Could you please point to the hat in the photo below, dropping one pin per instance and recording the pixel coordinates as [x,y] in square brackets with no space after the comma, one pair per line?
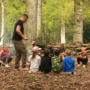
[36,49]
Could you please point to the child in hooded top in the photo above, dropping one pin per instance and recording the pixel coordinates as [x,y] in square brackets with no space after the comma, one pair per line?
[83,57]
[46,62]
[68,63]
[35,60]
[57,62]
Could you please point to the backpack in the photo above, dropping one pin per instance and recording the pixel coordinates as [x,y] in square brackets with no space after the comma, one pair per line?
[57,64]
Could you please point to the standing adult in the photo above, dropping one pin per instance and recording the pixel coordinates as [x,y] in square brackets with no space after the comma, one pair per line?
[20,49]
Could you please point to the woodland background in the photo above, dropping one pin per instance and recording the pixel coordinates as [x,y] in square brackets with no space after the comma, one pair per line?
[58,21]
[54,14]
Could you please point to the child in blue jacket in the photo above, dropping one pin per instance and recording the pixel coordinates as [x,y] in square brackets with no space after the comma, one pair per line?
[68,63]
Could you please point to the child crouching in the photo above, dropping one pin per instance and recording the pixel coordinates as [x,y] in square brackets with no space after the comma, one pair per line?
[5,57]
[83,57]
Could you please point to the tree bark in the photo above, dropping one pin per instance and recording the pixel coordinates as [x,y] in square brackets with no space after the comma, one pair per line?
[63,33]
[63,40]
[39,15]
[2,28]
[31,24]
[78,22]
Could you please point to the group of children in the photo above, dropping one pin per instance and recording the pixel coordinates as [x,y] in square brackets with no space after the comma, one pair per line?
[53,60]
[47,64]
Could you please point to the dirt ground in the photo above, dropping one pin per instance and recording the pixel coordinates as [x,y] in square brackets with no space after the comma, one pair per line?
[22,80]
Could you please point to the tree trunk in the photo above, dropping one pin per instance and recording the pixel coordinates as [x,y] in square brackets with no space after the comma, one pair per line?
[39,15]
[63,40]
[78,23]
[2,28]
[31,24]
[63,33]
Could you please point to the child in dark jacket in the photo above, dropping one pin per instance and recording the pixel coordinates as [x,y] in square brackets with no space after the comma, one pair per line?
[51,49]
[62,50]
[45,62]
[68,63]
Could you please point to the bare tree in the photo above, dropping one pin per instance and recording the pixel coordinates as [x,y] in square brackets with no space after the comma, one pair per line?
[31,25]
[39,15]
[2,18]
[63,40]
[78,23]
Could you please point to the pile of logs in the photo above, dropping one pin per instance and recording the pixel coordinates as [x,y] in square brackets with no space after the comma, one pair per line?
[76,48]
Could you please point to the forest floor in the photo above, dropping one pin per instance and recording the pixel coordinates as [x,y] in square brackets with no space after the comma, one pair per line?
[22,80]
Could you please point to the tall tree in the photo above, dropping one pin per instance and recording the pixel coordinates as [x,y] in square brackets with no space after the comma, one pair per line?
[86,27]
[31,25]
[57,16]
[78,23]
[13,11]
[2,28]
[39,15]
[63,39]
[66,7]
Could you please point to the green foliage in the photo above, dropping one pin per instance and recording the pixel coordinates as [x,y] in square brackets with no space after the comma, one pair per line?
[54,13]
[86,28]
[11,49]
[13,10]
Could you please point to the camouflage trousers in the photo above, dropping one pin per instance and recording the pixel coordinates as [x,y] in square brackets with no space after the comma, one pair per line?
[20,53]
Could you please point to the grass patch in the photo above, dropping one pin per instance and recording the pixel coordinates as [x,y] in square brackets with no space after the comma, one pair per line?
[32,77]
[11,49]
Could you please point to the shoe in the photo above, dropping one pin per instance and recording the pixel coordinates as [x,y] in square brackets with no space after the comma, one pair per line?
[30,71]
[78,65]
[0,63]
[7,65]
[84,66]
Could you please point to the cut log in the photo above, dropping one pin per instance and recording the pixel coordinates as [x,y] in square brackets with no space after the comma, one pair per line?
[85,45]
[56,46]
[78,53]
[78,49]
[88,51]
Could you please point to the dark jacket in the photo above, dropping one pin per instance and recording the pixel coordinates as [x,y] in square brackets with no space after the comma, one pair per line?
[45,64]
